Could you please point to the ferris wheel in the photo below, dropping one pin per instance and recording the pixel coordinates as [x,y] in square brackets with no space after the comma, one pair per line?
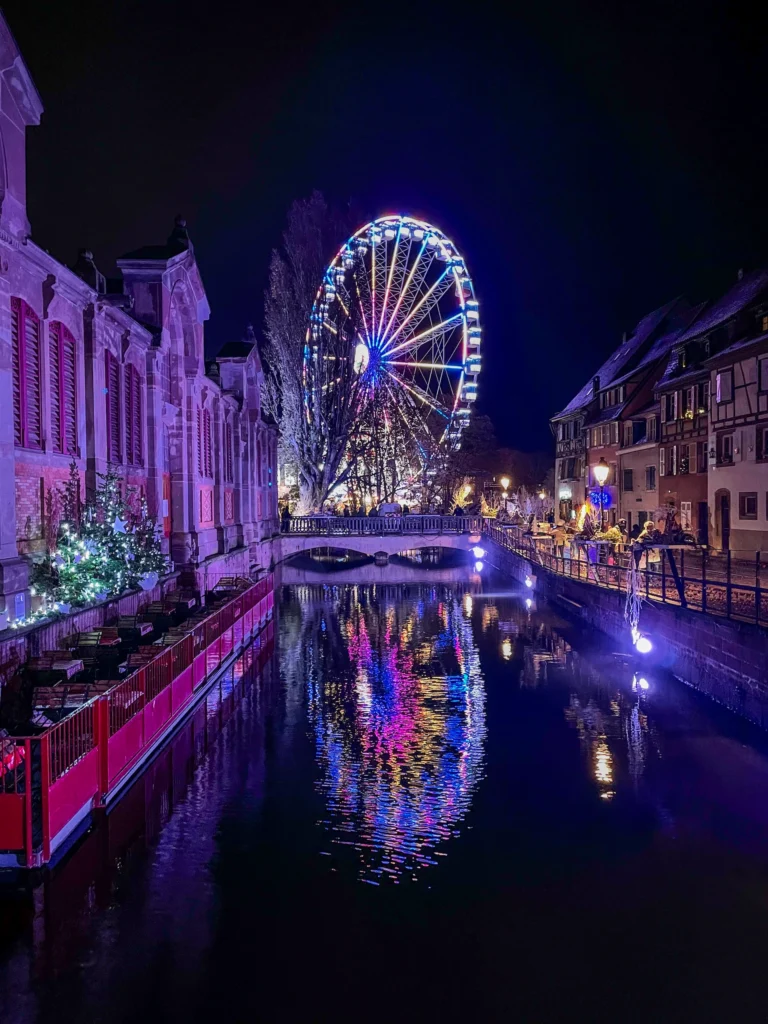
[396,325]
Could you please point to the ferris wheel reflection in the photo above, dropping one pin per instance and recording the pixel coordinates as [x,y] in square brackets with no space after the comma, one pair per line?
[399,725]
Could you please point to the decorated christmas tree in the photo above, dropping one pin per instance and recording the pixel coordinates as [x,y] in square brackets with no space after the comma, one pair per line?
[111,547]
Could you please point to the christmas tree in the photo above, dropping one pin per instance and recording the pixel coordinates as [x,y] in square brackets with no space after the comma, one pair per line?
[112,547]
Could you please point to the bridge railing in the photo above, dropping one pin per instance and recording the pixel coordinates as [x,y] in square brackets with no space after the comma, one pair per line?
[367,526]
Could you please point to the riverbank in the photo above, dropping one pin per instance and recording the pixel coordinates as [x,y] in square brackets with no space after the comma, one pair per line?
[723,658]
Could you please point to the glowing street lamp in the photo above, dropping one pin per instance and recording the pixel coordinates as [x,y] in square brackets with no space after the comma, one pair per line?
[505,481]
[601,471]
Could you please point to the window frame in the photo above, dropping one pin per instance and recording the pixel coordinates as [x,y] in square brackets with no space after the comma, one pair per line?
[624,473]
[720,378]
[650,486]
[744,497]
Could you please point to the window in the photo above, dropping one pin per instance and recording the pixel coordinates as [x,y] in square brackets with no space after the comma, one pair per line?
[689,403]
[228,470]
[701,457]
[25,332]
[204,449]
[112,380]
[763,374]
[133,420]
[669,407]
[702,398]
[651,428]
[650,478]
[628,482]
[685,515]
[765,323]
[748,505]
[627,435]
[725,449]
[724,386]
[684,461]
[762,443]
[668,461]
[63,377]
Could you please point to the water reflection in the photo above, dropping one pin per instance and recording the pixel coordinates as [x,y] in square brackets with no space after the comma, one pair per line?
[606,697]
[396,701]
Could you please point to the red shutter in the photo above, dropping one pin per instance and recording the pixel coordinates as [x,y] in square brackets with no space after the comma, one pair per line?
[113,408]
[129,415]
[208,454]
[63,389]
[54,360]
[133,434]
[228,451]
[200,441]
[25,329]
[138,438]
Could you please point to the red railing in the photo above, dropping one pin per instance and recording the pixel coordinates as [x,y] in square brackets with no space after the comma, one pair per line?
[70,741]
[84,757]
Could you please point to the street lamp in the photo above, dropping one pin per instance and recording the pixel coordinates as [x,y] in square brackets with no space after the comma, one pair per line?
[504,483]
[602,469]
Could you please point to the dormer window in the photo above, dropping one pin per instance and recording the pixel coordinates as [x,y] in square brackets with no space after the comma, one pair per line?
[764,323]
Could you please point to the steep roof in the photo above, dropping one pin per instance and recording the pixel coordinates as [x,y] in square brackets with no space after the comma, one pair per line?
[619,361]
[743,293]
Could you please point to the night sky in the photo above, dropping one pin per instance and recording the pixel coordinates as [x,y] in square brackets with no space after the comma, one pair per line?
[590,160]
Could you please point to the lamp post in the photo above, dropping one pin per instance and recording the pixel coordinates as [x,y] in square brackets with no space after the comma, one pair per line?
[601,471]
[505,481]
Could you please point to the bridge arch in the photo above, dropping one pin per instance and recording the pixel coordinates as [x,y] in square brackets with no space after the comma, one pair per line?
[390,537]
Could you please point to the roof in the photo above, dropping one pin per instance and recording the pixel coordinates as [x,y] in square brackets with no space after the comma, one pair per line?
[239,349]
[742,294]
[673,375]
[617,363]
[235,350]
[153,252]
[752,339]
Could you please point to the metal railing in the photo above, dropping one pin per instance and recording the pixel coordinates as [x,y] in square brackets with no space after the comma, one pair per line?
[688,577]
[371,526]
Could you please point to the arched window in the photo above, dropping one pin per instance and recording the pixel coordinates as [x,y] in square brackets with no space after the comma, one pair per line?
[63,371]
[25,334]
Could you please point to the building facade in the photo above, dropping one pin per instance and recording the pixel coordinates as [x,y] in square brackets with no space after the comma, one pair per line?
[112,375]
[680,414]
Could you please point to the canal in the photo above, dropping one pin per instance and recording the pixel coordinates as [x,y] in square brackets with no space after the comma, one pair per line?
[434,799]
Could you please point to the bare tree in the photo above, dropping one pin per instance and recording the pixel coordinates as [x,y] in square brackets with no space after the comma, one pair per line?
[316,421]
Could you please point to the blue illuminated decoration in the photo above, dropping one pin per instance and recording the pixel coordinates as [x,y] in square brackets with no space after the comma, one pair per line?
[595,498]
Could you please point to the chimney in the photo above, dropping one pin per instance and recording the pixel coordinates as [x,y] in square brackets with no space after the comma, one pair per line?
[624,338]
[595,386]
[86,269]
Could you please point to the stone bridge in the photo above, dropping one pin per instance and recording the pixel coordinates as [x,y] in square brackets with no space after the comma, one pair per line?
[391,535]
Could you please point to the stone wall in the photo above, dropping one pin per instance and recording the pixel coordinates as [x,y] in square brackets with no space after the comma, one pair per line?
[726,660]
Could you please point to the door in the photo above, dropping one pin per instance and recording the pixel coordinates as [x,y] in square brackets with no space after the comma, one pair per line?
[703,528]
[725,520]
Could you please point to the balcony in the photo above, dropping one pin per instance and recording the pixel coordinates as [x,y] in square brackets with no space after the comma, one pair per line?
[573,446]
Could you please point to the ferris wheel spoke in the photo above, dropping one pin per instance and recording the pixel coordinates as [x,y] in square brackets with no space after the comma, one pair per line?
[417,392]
[424,306]
[417,339]
[388,287]
[425,366]
[404,292]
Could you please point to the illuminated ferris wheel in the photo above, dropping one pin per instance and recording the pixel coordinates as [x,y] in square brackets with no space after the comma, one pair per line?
[396,325]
